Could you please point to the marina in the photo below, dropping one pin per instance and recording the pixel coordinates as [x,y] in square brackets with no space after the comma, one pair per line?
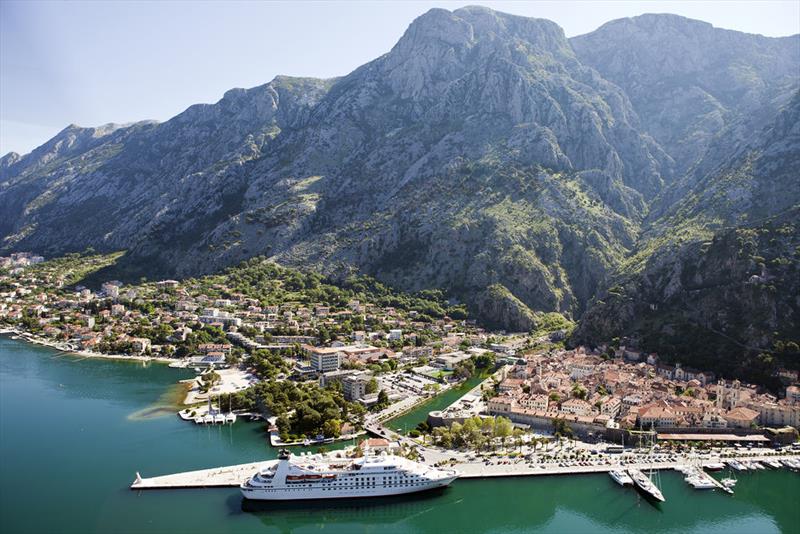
[100,457]
[232,476]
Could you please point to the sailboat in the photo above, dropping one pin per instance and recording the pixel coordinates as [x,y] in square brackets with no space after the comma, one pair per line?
[208,418]
[230,417]
[645,483]
[730,480]
[219,417]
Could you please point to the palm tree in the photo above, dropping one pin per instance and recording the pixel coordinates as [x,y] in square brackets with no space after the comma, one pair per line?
[518,433]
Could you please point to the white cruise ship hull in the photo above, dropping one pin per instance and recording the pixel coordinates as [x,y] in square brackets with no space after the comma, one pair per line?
[314,493]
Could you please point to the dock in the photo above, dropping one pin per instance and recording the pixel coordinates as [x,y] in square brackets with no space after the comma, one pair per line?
[233,475]
[217,477]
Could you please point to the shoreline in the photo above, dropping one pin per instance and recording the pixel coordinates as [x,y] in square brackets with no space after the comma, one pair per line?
[34,340]
[231,475]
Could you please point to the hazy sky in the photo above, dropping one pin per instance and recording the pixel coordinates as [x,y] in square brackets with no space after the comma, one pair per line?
[95,62]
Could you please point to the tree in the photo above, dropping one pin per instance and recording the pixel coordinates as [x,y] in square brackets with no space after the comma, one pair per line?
[383,400]
[485,360]
[487,425]
[561,428]
[443,436]
[502,429]
[372,385]
[578,391]
[517,433]
[208,381]
[332,428]
[464,370]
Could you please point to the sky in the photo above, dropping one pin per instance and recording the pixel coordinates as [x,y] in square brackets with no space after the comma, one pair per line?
[91,63]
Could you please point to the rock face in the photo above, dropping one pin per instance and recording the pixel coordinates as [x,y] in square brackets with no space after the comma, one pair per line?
[719,272]
[688,80]
[485,154]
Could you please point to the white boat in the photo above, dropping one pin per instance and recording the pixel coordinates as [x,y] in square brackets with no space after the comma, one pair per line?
[737,465]
[644,483]
[230,417]
[315,477]
[219,418]
[621,477]
[790,463]
[715,466]
[756,465]
[698,482]
[774,464]
[208,419]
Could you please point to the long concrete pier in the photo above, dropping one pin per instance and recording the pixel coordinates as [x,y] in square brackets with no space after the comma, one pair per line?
[217,477]
[233,475]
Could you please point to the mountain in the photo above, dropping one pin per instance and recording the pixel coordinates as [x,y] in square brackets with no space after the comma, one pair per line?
[719,273]
[485,154]
[688,80]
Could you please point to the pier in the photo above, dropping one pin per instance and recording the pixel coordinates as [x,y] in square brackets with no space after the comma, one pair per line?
[233,475]
[217,477]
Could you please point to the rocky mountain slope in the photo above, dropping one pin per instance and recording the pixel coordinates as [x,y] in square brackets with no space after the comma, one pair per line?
[485,154]
[719,273]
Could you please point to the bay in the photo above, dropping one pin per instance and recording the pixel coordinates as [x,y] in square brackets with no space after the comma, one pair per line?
[74,431]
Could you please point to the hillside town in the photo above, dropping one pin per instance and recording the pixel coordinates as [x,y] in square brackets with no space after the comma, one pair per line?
[594,391]
[386,358]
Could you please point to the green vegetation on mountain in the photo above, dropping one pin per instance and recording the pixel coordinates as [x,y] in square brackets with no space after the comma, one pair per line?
[486,163]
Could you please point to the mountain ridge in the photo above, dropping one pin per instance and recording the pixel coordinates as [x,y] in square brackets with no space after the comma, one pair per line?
[485,154]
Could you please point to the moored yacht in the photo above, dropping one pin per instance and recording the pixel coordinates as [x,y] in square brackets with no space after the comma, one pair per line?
[644,483]
[621,477]
[737,465]
[301,478]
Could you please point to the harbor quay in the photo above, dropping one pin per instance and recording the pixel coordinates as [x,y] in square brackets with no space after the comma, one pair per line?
[234,475]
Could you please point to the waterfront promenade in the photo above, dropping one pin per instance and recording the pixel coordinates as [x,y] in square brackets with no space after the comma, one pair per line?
[232,476]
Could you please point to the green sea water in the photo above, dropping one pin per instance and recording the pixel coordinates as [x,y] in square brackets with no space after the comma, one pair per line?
[73,432]
[409,420]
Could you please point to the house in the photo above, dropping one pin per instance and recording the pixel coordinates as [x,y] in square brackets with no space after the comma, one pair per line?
[511,385]
[324,359]
[355,386]
[713,419]
[207,348]
[611,406]
[537,403]
[657,416]
[741,417]
[449,361]
[209,360]
[140,344]
[501,404]
[576,407]
[111,289]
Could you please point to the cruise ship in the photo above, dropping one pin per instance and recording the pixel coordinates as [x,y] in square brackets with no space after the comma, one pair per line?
[303,477]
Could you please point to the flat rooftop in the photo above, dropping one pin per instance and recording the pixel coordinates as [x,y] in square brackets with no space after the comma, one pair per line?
[712,437]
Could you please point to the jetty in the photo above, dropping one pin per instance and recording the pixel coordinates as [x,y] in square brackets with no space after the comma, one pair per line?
[233,475]
[217,477]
